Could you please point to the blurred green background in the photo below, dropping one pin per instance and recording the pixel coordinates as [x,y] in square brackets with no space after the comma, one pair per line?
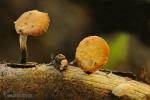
[125,24]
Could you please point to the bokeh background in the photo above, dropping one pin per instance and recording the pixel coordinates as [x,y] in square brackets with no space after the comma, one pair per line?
[125,24]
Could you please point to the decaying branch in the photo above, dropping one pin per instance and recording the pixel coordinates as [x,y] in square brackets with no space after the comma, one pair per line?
[46,82]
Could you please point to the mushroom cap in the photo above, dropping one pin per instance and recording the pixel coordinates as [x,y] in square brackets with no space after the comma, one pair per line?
[92,53]
[32,23]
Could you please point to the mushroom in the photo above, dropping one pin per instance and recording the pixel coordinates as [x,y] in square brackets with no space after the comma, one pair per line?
[92,53]
[33,23]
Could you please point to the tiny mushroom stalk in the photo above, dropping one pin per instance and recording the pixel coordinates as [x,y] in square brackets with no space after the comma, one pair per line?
[33,23]
[23,48]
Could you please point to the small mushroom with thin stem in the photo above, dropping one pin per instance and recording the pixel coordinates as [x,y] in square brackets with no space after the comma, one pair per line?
[31,23]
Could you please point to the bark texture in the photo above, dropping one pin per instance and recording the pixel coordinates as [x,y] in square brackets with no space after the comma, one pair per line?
[47,83]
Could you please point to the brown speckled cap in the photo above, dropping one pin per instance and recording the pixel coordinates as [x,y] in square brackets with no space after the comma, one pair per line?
[32,23]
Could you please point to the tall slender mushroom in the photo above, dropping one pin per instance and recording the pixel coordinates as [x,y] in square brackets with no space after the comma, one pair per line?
[33,23]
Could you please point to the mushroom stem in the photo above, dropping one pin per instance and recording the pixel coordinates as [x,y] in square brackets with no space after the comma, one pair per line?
[23,48]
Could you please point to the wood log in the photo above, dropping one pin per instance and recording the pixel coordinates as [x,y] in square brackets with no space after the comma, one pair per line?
[47,83]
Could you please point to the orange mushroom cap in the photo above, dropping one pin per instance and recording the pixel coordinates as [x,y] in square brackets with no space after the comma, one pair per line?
[32,23]
[92,53]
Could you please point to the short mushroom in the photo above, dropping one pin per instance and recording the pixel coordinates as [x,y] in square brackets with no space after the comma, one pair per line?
[92,53]
[33,23]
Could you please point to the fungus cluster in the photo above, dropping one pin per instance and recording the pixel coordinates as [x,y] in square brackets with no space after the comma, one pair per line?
[91,54]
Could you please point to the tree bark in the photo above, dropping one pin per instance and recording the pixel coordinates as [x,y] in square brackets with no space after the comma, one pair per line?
[48,83]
